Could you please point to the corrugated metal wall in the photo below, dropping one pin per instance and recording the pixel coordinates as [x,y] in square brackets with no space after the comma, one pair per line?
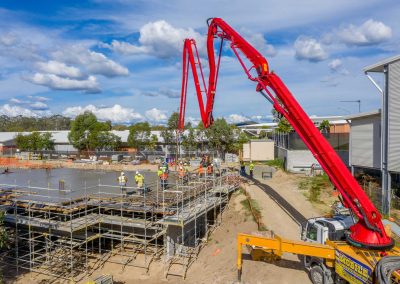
[394,117]
[366,142]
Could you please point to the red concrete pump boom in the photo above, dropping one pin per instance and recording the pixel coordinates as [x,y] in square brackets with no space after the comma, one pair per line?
[369,231]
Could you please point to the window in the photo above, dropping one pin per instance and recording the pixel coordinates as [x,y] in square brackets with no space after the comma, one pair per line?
[312,233]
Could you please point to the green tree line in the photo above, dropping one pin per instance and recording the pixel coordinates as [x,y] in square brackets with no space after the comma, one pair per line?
[87,133]
[35,141]
[22,123]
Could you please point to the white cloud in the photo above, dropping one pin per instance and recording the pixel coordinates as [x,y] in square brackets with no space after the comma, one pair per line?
[116,113]
[16,101]
[262,118]
[156,115]
[236,118]
[335,64]
[193,120]
[13,111]
[8,39]
[160,39]
[60,69]
[58,83]
[126,48]
[93,62]
[258,41]
[33,102]
[308,48]
[38,98]
[39,106]
[370,32]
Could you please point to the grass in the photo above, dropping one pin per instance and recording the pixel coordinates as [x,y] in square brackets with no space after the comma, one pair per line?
[315,185]
[253,208]
[277,163]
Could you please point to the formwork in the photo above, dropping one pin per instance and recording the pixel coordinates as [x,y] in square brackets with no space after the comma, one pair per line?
[69,233]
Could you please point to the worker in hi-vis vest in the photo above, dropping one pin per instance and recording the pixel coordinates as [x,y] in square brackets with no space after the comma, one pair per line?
[181,173]
[163,175]
[122,181]
[251,168]
[139,179]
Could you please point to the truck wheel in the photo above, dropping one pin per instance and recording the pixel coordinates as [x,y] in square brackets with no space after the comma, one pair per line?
[317,275]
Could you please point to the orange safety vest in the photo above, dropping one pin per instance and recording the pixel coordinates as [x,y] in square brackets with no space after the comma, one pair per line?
[164,176]
[209,170]
[201,169]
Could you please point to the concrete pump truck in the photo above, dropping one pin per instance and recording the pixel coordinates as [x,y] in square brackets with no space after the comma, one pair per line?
[354,249]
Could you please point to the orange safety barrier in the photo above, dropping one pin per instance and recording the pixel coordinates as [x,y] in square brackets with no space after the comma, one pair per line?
[15,163]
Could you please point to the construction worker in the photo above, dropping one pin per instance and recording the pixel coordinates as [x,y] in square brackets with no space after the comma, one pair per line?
[251,168]
[242,168]
[140,181]
[159,172]
[122,181]
[164,179]
[181,173]
[201,171]
[164,167]
[136,177]
[210,169]
[186,170]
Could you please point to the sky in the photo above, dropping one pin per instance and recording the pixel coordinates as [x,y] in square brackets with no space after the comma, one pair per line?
[121,59]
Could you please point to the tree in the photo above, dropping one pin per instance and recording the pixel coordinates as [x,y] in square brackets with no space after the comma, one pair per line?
[189,142]
[84,130]
[169,134]
[201,135]
[220,135]
[22,142]
[242,138]
[108,141]
[325,126]
[262,134]
[283,124]
[21,123]
[120,127]
[173,121]
[46,142]
[35,141]
[153,142]
[139,135]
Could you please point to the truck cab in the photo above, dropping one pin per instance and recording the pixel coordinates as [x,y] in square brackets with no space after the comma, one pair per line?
[319,230]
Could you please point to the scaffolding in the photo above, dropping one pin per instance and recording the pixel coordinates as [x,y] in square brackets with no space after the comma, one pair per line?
[69,233]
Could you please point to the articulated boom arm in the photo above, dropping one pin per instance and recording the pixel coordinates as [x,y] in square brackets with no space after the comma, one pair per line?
[369,230]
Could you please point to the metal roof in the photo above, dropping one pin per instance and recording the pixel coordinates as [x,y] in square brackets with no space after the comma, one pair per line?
[379,66]
[363,114]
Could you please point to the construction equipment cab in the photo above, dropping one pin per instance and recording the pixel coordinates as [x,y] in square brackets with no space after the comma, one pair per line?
[319,230]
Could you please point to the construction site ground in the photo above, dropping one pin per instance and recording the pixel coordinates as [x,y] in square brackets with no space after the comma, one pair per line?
[282,206]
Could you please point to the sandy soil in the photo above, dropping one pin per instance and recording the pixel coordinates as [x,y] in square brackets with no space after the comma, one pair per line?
[282,206]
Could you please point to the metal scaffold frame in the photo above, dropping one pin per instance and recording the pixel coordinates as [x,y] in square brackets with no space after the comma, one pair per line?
[72,236]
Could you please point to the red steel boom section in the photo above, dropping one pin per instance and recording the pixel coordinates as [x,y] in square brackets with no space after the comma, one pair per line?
[368,231]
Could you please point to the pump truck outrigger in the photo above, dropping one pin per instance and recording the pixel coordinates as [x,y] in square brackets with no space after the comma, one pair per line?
[367,246]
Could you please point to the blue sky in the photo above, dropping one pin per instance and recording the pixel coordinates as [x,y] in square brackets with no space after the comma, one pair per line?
[121,59]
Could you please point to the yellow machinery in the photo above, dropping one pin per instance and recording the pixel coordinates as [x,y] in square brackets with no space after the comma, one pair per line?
[341,261]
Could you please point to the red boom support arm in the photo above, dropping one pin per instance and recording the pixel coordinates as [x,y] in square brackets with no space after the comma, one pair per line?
[369,230]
